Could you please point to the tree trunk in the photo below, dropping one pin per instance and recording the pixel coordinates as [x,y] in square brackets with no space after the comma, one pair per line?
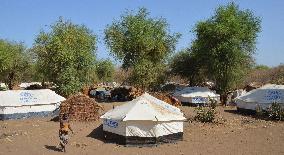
[11,78]
[224,99]
[43,83]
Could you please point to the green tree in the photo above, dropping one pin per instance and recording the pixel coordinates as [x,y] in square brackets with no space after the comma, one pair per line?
[14,61]
[147,75]
[225,43]
[186,65]
[261,67]
[138,38]
[105,70]
[66,56]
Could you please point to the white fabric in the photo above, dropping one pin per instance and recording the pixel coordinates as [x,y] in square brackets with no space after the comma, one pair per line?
[25,85]
[196,91]
[196,95]
[3,85]
[114,126]
[29,97]
[142,128]
[145,107]
[262,97]
[146,116]
[27,109]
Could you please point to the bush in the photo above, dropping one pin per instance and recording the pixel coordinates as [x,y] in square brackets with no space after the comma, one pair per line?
[259,111]
[205,114]
[212,103]
[276,112]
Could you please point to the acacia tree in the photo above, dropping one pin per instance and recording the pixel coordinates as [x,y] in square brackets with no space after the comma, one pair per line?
[13,62]
[225,44]
[186,65]
[138,38]
[105,70]
[66,55]
[147,75]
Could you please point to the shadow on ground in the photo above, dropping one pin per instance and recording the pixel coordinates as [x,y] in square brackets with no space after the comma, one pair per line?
[97,133]
[54,148]
[248,113]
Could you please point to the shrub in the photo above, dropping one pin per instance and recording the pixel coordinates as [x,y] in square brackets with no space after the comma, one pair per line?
[276,112]
[205,114]
[212,103]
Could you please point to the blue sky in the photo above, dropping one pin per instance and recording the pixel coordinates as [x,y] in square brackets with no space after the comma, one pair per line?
[21,20]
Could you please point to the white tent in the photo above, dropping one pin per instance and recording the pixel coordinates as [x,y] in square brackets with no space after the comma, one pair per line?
[144,120]
[3,85]
[196,95]
[261,97]
[27,84]
[16,104]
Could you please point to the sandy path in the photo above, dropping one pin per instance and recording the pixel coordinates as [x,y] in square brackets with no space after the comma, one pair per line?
[234,134]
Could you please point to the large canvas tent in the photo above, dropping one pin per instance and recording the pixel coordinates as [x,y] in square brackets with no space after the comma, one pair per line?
[144,120]
[262,97]
[196,95]
[16,104]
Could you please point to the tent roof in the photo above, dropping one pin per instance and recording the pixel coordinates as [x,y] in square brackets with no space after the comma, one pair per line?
[145,107]
[27,84]
[266,94]
[29,97]
[196,92]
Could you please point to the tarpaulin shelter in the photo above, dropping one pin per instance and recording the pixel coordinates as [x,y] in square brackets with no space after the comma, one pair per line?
[196,95]
[261,97]
[16,104]
[27,84]
[144,120]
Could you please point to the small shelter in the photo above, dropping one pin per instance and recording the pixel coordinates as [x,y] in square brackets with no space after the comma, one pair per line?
[144,120]
[261,97]
[196,95]
[16,104]
[28,84]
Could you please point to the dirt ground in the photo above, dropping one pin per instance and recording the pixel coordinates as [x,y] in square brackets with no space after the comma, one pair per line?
[233,133]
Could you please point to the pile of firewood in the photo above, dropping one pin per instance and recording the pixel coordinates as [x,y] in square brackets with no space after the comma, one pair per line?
[167,98]
[80,108]
[126,93]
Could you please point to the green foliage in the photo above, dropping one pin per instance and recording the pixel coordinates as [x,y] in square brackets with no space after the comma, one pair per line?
[186,65]
[225,44]
[276,112]
[14,62]
[212,103]
[205,114]
[137,36]
[142,44]
[261,67]
[105,70]
[146,74]
[65,56]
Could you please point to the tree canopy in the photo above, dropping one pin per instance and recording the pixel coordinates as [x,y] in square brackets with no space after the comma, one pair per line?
[147,75]
[14,61]
[187,65]
[66,55]
[105,70]
[142,44]
[225,44]
[138,36]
